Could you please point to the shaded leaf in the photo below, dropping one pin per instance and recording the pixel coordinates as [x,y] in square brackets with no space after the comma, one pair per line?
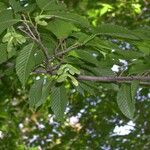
[116,31]
[39,92]
[128,54]
[7,20]
[139,68]
[134,87]
[59,101]
[3,53]
[25,63]
[124,100]
[16,5]
[2,6]
[84,55]
[143,46]
[70,17]
[50,5]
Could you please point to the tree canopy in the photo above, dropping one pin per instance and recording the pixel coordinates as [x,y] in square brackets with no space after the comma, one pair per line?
[72,73]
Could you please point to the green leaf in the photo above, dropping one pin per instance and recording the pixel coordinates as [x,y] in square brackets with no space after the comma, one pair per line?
[85,56]
[134,87]
[62,77]
[143,46]
[124,100]
[7,20]
[82,37]
[33,148]
[59,101]
[25,63]
[2,6]
[86,87]
[38,56]
[60,28]
[40,20]
[16,5]
[140,67]
[10,48]
[128,54]
[73,80]
[52,5]
[70,17]
[102,71]
[142,32]
[3,53]
[116,31]
[49,42]
[39,92]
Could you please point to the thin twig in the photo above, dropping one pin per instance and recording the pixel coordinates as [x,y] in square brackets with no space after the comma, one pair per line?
[28,27]
[74,46]
[65,51]
[37,40]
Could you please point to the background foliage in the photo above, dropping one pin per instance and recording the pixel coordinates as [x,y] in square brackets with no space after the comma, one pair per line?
[29,96]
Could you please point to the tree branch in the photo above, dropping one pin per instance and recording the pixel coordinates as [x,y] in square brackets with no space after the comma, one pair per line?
[28,31]
[143,80]
[65,51]
[115,79]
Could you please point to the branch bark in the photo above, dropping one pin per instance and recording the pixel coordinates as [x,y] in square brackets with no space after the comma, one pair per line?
[143,80]
[115,79]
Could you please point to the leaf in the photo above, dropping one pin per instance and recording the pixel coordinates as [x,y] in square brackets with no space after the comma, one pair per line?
[39,92]
[52,5]
[59,101]
[139,68]
[128,54]
[60,28]
[84,55]
[10,48]
[7,20]
[2,6]
[116,31]
[85,86]
[124,100]
[82,37]
[38,56]
[16,5]
[70,17]
[25,63]
[142,32]
[35,93]
[143,46]
[103,72]
[49,42]
[73,80]
[134,87]
[3,53]
[95,42]
[88,87]
[62,77]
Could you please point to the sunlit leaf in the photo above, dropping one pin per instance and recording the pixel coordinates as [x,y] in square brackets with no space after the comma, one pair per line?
[60,28]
